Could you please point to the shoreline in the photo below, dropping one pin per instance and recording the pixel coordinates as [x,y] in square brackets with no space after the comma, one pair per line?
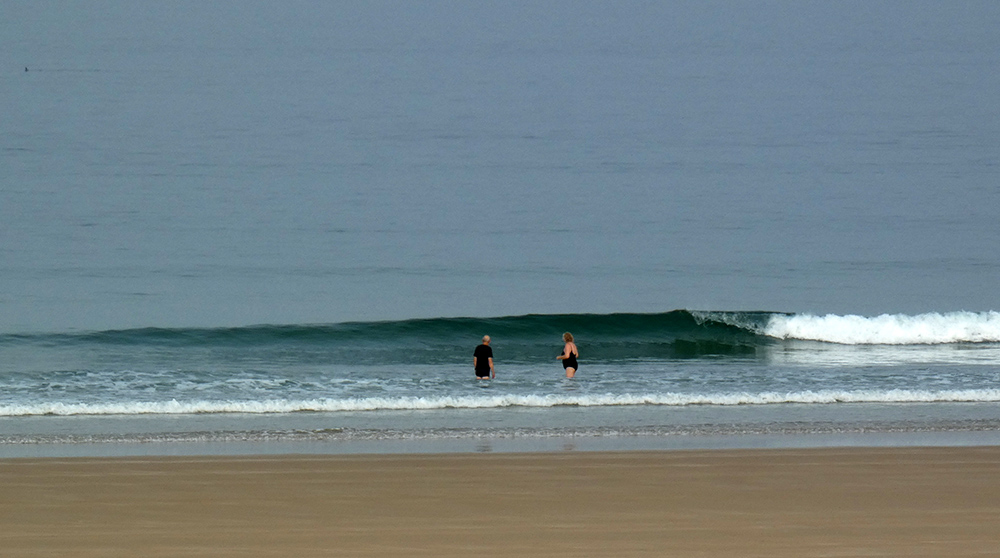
[858,501]
[459,445]
[504,430]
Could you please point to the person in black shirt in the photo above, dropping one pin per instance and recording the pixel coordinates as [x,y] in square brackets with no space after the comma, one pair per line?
[482,360]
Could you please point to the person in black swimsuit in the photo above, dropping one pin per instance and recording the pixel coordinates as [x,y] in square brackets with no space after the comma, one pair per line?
[482,360]
[569,355]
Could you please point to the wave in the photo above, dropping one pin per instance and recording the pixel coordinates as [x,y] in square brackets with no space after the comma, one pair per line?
[528,338]
[501,401]
[889,329]
[652,326]
[677,334]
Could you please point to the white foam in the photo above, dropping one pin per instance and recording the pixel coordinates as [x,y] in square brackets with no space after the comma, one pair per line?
[485,402]
[889,329]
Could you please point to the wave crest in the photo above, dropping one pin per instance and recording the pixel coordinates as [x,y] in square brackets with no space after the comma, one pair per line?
[889,329]
[501,401]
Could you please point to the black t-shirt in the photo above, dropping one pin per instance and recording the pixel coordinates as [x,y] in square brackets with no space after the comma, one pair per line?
[483,355]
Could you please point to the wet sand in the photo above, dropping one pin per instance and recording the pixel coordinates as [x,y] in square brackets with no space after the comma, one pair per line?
[790,502]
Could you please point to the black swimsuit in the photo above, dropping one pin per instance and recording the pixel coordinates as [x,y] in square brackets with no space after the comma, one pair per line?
[570,361]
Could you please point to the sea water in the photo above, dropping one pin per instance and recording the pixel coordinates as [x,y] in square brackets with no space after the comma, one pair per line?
[645,380]
[264,227]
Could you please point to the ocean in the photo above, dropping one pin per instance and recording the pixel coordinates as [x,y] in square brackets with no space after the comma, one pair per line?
[253,227]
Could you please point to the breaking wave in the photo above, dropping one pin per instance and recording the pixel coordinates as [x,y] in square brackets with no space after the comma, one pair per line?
[501,401]
[889,329]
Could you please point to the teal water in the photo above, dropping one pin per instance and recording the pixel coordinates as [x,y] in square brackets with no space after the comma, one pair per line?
[644,379]
[278,211]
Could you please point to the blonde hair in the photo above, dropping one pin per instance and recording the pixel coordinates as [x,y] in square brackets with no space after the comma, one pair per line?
[568,337]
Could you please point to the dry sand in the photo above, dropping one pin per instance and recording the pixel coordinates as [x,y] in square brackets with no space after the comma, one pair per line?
[796,503]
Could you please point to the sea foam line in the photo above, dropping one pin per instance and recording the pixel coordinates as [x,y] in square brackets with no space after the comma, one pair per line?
[280,406]
[889,329]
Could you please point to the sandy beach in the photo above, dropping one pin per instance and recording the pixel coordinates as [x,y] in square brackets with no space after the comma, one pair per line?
[794,502]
